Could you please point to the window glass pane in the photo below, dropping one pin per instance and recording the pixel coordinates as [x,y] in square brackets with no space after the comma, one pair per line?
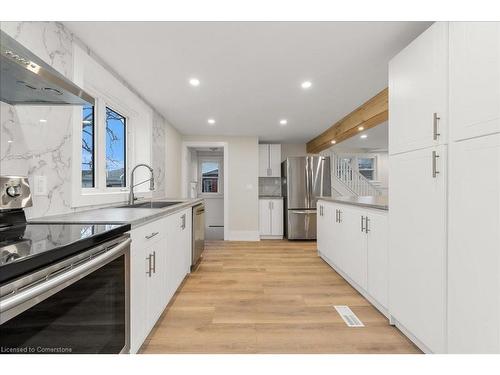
[209,177]
[115,149]
[367,173]
[365,163]
[88,147]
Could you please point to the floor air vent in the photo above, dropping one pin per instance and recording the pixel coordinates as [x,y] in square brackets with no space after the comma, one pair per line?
[348,316]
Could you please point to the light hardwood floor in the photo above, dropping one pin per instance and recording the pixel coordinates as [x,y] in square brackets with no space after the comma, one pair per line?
[269,297]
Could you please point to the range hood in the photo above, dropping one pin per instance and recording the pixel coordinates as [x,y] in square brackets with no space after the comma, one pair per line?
[26,79]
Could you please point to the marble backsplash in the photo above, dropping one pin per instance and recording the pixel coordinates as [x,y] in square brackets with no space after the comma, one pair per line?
[30,147]
[270,186]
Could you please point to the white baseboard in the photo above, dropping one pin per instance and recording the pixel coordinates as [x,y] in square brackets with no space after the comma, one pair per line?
[243,235]
[271,237]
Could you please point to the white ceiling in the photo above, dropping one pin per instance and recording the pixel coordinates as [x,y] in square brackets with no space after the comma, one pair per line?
[250,72]
[377,138]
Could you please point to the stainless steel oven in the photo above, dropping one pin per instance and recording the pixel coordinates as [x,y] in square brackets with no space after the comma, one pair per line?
[76,305]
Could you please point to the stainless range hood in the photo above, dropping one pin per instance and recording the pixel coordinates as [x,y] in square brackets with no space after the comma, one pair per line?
[26,79]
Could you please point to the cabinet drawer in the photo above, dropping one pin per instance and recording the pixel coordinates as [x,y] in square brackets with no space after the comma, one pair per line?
[149,232]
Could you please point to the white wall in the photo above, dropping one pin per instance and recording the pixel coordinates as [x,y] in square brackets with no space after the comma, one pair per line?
[242,192]
[28,147]
[292,149]
[173,153]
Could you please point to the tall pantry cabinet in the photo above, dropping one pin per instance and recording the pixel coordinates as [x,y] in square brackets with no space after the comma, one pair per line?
[474,216]
[444,225]
[418,117]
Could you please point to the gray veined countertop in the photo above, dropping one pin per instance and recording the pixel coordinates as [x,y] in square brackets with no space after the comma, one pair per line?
[380,202]
[107,215]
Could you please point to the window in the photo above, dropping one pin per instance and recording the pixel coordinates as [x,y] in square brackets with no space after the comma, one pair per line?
[366,167]
[210,172]
[115,149]
[88,145]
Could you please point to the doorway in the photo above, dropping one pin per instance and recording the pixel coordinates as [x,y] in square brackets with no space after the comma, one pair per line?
[204,176]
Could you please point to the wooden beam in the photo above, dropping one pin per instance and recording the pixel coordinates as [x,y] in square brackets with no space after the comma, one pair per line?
[370,114]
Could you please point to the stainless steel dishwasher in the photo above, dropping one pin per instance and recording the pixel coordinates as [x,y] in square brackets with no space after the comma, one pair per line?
[198,242]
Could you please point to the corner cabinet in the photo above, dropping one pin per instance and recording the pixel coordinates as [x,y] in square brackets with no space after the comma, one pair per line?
[271,218]
[269,160]
[353,240]
[160,259]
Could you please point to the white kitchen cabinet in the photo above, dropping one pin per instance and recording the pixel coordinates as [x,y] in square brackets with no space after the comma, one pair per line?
[324,226]
[474,79]
[160,259]
[377,256]
[264,217]
[269,160]
[179,245]
[148,277]
[418,96]
[474,246]
[354,257]
[417,244]
[271,218]
[354,241]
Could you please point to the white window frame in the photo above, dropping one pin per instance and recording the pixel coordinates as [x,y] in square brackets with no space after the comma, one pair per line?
[220,185]
[112,94]
[355,162]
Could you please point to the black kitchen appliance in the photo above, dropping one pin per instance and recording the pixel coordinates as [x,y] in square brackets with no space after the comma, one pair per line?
[64,288]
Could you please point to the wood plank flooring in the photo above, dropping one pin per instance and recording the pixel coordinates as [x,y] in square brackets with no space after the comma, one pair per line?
[269,297]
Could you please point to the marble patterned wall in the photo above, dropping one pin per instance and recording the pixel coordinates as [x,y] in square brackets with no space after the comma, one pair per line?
[30,147]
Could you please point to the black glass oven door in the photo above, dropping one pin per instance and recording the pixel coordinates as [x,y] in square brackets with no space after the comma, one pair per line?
[88,316]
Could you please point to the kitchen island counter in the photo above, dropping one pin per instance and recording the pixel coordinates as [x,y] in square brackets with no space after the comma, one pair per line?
[380,202]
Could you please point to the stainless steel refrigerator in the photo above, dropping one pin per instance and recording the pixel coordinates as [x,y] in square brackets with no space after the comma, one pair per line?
[304,180]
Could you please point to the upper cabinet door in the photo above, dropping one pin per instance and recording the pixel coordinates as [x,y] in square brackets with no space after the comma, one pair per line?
[418,83]
[474,79]
[275,160]
[269,160]
[264,161]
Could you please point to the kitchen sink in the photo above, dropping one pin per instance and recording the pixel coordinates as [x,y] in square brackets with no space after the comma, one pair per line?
[150,205]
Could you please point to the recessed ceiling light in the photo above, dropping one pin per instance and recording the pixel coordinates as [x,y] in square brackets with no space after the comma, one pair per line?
[43,120]
[361,128]
[364,136]
[283,122]
[306,84]
[333,141]
[211,121]
[87,122]
[194,82]
[10,141]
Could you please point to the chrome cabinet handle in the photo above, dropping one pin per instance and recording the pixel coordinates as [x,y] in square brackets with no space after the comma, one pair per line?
[150,269]
[336,215]
[362,223]
[340,216]
[154,261]
[367,220]
[152,235]
[183,222]
[435,172]
[435,121]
